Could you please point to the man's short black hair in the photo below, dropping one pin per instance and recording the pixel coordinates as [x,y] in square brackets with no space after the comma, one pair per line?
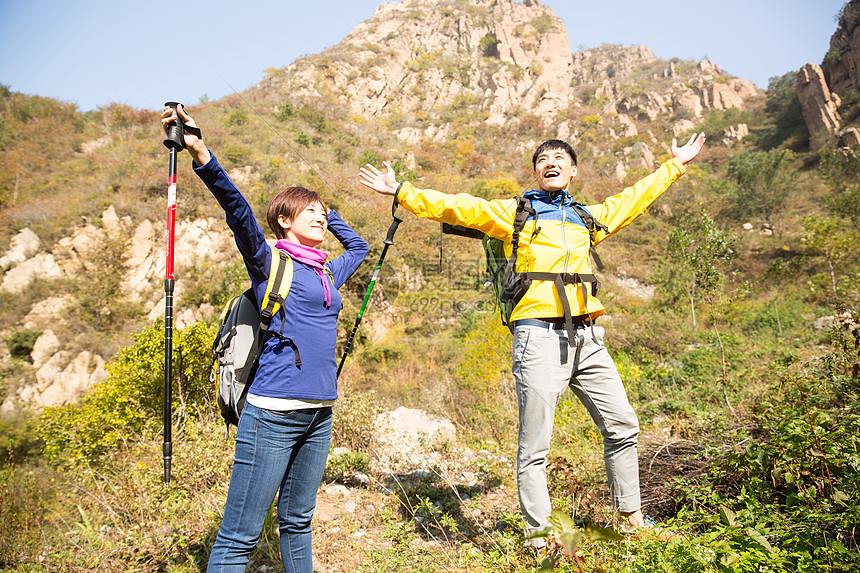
[553,144]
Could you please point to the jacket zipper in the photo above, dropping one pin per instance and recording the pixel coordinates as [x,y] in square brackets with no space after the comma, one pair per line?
[564,231]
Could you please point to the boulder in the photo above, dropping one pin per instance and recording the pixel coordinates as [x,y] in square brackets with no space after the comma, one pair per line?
[406,438]
[735,133]
[626,127]
[48,312]
[22,246]
[682,126]
[641,154]
[42,266]
[724,96]
[140,262]
[44,348]
[850,137]
[59,387]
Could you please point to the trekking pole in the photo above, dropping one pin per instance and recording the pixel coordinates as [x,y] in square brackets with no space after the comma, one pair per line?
[175,143]
[389,240]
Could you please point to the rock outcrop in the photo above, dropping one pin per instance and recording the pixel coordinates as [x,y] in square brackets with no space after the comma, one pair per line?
[22,246]
[407,438]
[60,376]
[420,56]
[820,108]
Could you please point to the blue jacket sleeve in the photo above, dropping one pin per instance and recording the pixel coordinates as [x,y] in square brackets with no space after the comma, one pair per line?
[240,218]
[343,266]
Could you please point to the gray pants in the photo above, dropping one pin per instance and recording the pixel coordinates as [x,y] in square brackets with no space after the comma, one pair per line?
[544,365]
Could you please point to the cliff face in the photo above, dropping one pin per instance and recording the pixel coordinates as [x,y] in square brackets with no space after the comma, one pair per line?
[422,55]
[821,89]
[844,57]
[819,105]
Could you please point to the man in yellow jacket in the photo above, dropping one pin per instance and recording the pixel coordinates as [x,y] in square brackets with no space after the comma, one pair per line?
[552,348]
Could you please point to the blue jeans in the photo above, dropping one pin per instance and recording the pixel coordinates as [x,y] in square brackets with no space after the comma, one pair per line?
[281,453]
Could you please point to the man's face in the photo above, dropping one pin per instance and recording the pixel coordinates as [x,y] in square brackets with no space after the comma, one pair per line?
[554,169]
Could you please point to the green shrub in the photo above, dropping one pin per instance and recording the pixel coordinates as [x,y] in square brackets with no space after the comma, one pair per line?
[20,342]
[129,404]
[542,23]
[342,467]
[590,120]
[499,187]
[16,438]
[488,46]
[484,400]
[236,153]
[796,484]
[285,112]
[402,172]
[369,156]
[237,118]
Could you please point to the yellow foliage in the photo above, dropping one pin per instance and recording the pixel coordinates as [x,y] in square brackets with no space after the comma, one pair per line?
[464,148]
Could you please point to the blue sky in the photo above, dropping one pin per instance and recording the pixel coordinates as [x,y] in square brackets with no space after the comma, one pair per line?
[95,52]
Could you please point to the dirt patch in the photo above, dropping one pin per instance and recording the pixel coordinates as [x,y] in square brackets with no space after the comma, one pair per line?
[660,465]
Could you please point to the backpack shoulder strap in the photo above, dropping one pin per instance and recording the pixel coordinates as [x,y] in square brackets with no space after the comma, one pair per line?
[521,215]
[589,220]
[278,287]
[593,226]
[523,212]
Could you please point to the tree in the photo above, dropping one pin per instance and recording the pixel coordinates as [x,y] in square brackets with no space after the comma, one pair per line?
[765,180]
[783,109]
[841,170]
[690,266]
[838,245]
[694,254]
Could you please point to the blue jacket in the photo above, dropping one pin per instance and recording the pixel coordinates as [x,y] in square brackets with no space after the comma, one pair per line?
[304,318]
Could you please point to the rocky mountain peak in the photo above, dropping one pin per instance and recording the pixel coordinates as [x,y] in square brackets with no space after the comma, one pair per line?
[415,62]
[422,55]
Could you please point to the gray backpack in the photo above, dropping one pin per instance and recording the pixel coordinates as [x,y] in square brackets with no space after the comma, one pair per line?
[242,328]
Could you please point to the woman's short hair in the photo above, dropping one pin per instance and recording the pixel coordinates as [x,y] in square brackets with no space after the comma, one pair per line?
[289,203]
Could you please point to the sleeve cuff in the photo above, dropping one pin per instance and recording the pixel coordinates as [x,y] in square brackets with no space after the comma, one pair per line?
[208,165]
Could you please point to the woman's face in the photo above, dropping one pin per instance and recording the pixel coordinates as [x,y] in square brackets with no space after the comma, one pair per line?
[308,227]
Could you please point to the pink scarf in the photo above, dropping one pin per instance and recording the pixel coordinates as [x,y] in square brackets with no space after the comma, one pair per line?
[310,256]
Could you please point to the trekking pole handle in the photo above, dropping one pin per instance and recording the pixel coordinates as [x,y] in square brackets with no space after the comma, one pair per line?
[389,237]
[175,129]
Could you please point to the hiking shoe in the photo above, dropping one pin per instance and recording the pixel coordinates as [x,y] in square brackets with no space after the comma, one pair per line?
[650,528]
[549,556]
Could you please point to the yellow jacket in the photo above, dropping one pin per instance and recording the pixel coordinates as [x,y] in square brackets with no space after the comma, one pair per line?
[562,242]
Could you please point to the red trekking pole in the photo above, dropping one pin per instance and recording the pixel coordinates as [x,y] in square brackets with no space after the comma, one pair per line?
[175,143]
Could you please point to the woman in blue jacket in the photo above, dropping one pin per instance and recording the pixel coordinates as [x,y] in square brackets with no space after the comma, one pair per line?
[282,441]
